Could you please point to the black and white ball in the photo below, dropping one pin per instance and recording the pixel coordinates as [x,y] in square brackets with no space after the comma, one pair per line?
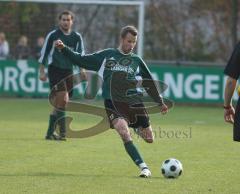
[171,168]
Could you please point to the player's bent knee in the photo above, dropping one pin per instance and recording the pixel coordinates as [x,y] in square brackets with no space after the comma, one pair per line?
[149,140]
[64,103]
[147,134]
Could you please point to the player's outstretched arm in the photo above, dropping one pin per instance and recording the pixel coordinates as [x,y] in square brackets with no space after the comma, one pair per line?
[90,62]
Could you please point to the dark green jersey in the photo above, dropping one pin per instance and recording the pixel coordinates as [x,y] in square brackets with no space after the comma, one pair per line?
[120,73]
[51,56]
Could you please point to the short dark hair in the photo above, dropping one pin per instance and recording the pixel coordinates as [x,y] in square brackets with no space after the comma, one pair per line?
[66,12]
[128,29]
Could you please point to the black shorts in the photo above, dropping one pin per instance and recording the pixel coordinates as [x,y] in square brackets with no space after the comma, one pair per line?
[56,79]
[136,115]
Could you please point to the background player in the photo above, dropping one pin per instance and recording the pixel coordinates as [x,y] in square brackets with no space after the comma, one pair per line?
[59,67]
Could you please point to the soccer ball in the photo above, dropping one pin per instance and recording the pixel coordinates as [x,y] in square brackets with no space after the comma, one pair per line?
[171,168]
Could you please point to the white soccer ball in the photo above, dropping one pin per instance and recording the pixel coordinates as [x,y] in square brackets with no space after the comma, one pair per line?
[171,168]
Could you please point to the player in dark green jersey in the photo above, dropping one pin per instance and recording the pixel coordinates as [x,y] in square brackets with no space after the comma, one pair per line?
[59,67]
[120,69]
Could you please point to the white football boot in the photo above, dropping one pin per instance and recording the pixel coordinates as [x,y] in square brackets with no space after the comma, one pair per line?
[145,173]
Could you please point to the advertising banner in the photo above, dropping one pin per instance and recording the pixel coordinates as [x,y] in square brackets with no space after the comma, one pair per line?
[186,84]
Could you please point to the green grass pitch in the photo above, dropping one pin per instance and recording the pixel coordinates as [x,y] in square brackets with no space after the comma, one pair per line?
[99,164]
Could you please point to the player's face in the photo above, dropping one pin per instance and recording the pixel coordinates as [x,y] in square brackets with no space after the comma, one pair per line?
[128,43]
[66,22]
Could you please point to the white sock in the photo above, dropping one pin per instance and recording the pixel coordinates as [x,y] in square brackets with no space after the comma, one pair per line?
[142,165]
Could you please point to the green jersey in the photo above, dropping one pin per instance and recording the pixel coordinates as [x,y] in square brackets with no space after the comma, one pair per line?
[120,73]
[50,55]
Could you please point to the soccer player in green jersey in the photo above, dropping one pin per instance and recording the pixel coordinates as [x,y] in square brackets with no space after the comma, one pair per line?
[120,68]
[59,67]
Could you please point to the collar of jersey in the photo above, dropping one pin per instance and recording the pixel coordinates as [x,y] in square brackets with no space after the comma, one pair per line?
[66,34]
[124,53]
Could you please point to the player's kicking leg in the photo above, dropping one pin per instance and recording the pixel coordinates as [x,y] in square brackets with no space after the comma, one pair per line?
[121,127]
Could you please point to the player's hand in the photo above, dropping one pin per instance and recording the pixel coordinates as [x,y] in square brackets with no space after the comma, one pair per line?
[229,114]
[42,76]
[164,109]
[59,44]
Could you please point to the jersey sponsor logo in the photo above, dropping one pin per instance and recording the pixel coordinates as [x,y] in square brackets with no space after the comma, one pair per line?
[122,65]
[122,68]
[125,61]
[110,63]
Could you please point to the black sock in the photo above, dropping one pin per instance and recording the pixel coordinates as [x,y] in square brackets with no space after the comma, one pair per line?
[60,115]
[133,153]
[51,125]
